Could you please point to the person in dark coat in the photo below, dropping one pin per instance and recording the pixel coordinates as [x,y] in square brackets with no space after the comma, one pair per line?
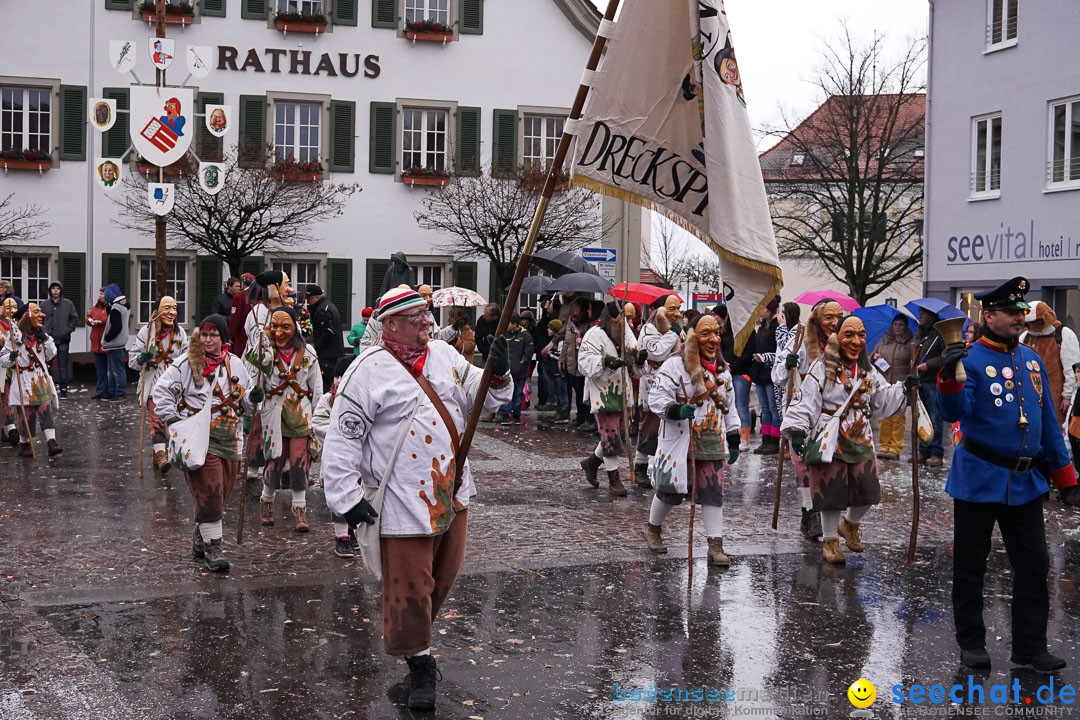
[223,303]
[238,313]
[486,325]
[326,332]
[60,321]
[929,347]
[761,373]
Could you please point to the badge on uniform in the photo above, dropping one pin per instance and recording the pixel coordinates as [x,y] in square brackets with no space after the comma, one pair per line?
[1009,397]
[1028,365]
[1035,365]
[991,371]
[1007,373]
[1036,380]
[997,401]
[1008,384]
[995,389]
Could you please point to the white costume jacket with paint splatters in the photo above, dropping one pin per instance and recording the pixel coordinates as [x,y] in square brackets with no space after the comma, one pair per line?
[290,395]
[605,389]
[163,357]
[35,386]
[660,346]
[374,400]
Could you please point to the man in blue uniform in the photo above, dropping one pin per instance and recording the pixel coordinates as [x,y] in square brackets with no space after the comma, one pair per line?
[1012,445]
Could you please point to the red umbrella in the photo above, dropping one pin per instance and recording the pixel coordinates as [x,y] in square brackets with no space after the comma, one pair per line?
[813,297]
[640,292]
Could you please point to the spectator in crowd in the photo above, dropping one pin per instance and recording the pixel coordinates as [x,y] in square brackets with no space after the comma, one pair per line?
[95,320]
[558,390]
[528,326]
[574,331]
[785,336]
[238,313]
[6,290]
[520,346]
[426,293]
[326,332]
[60,321]
[892,356]
[358,330]
[972,332]
[223,303]
[741,367]
[764,344]
[929,346]
[544,381]
[486,325]
[114,339]
[1059,349]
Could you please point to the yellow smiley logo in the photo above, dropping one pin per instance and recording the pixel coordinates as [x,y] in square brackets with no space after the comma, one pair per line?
[862,693]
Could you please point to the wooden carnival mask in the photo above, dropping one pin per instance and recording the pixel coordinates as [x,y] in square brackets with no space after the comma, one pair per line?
[831,313]
[167,311]
[707,331]
[8,308]
[852,339]
[282,329]
[671,309]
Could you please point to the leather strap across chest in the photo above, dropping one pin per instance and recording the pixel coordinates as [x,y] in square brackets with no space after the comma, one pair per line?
[288,376]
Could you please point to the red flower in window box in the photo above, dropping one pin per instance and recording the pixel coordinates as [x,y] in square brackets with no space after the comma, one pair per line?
[289,170]
[25,160]
[425,176]
[179,14]
[298,22]
[428,31]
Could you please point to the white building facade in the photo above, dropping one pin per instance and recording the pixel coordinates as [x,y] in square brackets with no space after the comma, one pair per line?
[1003,151]
[360,96]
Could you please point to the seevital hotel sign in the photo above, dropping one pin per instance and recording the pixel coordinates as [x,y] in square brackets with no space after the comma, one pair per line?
[298,62]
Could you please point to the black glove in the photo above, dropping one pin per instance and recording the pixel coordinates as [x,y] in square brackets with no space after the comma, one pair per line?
[500,355]
[798,441]
[732,447]
[361,512]
[791,361]
[258,394]
[1070,496]
[676,327]
[14,354]
[171,420]
[460,323]
[949,357]
[911,382]
[642,356]
[675,411]
[41,335]
[613,363]
[145,356]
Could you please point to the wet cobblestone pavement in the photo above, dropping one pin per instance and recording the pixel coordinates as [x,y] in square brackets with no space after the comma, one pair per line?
[559,608]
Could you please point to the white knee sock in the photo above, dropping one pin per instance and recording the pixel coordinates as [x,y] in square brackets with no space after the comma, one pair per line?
[855,515]
[267,493]
[713,515]
[8,428]
[611,463]
[422,652]
[599,451]
[210,531]
[658,511]
[806,499]
[299,498]
[641,458]
[50,434]
[341,529]
[159,447]
[829,520]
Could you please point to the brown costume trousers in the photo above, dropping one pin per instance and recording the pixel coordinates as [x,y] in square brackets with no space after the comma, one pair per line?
[418,573]
[210,486]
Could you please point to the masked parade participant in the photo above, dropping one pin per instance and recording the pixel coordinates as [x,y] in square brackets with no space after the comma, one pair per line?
[32,391]
[843,381]
[9,337]
[208,373]
[660,339]
[605,352]
[345,544]
[696,386]
[1010,451]
[819,327]
[395,423]
[158,344]
[291,381]
[267,290]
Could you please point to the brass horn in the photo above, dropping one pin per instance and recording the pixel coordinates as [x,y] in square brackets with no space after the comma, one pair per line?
[952,332]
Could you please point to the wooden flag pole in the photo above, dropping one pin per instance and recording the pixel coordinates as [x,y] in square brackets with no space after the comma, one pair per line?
[530,241]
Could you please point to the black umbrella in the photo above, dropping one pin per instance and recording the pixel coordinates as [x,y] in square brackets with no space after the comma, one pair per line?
[580,282]
[535,285]
[561,262]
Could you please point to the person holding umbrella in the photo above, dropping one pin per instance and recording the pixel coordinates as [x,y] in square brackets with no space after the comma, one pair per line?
[929,346]
[894,350]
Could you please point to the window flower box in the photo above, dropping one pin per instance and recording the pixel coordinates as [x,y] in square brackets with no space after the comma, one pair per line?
[297,22]
[25,160]
[425,177]
[428,31]
[170,171]
[291,171]
[182,14]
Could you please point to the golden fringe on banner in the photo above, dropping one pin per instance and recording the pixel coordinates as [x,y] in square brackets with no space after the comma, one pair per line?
[765,268]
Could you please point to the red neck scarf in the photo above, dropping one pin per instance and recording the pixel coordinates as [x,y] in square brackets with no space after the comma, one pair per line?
[411,355]
[213,363]
[287,355]
[709,364]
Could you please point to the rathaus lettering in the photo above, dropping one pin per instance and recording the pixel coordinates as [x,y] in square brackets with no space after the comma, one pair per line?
[298,62]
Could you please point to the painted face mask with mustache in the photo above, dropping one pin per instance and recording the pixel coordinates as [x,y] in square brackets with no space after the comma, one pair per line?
[852,339]
[707,331]
[282,329]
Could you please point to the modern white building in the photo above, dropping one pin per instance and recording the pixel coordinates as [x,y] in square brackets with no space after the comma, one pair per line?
[360,95]
[1003,151]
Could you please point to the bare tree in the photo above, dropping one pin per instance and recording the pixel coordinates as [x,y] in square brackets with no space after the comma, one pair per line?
[20,224]
[704,270]
[668,257]
[258,209]
[489,217]
[846,183]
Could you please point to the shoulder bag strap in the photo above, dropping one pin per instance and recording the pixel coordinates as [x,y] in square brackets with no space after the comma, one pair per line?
[440,406]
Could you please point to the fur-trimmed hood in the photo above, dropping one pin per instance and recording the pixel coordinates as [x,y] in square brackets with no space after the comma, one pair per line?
[659,318]
[196,357]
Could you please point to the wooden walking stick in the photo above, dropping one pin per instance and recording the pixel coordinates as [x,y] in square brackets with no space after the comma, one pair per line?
[142,382]
[22,407]
[913,400]
[789,389]
[244,465]
[626,425]
[693,492]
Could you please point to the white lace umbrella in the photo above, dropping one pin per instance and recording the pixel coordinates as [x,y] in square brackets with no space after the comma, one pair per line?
[457,297]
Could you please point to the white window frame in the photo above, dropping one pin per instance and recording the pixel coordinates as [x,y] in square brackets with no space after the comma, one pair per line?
[41,262]
[408,7]
[989,192]
[797,159]
[147,297]
[1070,163]
[549,140]
[1007,21]
[408,104]
[425,273]
[25,90]
[322,101]
[304,7]
[527,111]
[290,265]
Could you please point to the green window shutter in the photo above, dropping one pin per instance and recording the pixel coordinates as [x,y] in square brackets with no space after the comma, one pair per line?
[376,273]
[465,275]
[503,142]
[213,8]
[342,136]
[118,4]
[73,277]
[497,291]
[252,130]
[251,264]
[253,9]
[381,155]
[467,155]
[472,17]
[115,269]
[72,122]
[345,12]
[339,287]
[115,141]
[384,13]
[207,284]
[208,147]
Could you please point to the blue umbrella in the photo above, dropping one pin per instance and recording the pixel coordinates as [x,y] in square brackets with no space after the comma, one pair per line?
[877,319]
[937,306]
